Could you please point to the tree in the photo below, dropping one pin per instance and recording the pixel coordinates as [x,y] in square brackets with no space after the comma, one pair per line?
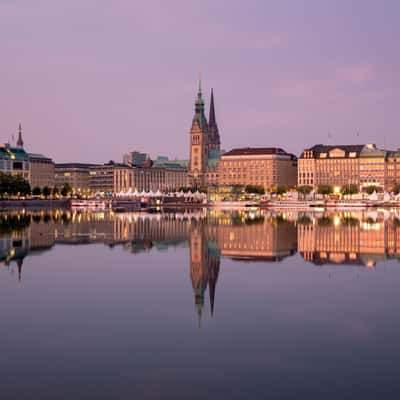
[256,189]
[396,188]
[325,189]
[280,189]
[305,189]
[66,189]
[46,191]
[36,191]
[351,188]
[13,185]
[371,189]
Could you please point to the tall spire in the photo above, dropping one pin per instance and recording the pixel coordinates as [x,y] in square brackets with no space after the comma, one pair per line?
[20,142]
[212,120]
[199,110]
[212,124]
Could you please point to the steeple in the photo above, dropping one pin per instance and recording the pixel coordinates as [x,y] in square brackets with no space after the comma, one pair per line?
[214,139]
[20,142]
[199,111]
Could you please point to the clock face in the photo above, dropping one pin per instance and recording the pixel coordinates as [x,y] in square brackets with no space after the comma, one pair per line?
[196,173]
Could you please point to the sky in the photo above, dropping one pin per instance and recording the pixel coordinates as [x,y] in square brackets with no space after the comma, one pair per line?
[92,79]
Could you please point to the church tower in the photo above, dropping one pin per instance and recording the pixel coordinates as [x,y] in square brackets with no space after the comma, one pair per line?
[198,143]
[20,142]
[213,133]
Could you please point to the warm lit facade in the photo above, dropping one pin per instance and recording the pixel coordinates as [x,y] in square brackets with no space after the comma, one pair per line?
[361,165]
[76,175]
[42,171]
[267,167]
[329,165]
[347,240]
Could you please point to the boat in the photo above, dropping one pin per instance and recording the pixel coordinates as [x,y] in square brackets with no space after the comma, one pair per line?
[126,205]
[347,204]
[234,205]
[290,203]
[89,204]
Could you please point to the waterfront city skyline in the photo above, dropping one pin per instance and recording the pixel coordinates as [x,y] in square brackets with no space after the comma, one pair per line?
[90,82]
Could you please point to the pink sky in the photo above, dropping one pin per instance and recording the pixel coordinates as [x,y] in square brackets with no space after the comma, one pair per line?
[91,79]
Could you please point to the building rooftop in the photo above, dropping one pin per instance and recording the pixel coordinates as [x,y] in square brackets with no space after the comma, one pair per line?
[74,165]
[326,149]
[38,156]
[17,153]
[256,151]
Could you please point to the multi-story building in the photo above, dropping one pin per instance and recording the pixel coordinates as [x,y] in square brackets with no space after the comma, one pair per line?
[42,171]
[266,167]
[329,165]
[76,175]
[160,178]
[361,165]
[14,160]
[204,145]
[110,178]
[135,158]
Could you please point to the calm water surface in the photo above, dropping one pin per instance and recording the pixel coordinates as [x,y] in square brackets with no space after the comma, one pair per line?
[200,305]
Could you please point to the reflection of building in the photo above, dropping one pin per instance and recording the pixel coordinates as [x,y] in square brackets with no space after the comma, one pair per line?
[204,267]
[337,240]
[41,171]
[263,239]
[265,167]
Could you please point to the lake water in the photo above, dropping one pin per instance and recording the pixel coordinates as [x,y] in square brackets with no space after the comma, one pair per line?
[199,305]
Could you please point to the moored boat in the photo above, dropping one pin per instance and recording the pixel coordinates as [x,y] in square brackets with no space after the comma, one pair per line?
[89,204]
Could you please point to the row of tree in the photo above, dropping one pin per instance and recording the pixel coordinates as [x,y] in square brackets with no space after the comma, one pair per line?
[16,185]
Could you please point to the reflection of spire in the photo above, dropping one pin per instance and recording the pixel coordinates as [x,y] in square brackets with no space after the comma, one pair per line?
[19,265]
[213,271]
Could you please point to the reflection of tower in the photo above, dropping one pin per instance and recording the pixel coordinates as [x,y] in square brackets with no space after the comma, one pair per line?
[213,271]
[19,265]
[204,267]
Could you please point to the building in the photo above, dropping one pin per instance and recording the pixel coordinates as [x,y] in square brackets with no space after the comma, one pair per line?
[76,175]
[204,145]
[341,165]
[163,178]
[42,171]
[165,162]
[14,160]
[135,159]
[111,178]
[267,167]
[329,165]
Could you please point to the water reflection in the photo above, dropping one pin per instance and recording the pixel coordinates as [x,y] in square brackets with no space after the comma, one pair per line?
[351,238]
